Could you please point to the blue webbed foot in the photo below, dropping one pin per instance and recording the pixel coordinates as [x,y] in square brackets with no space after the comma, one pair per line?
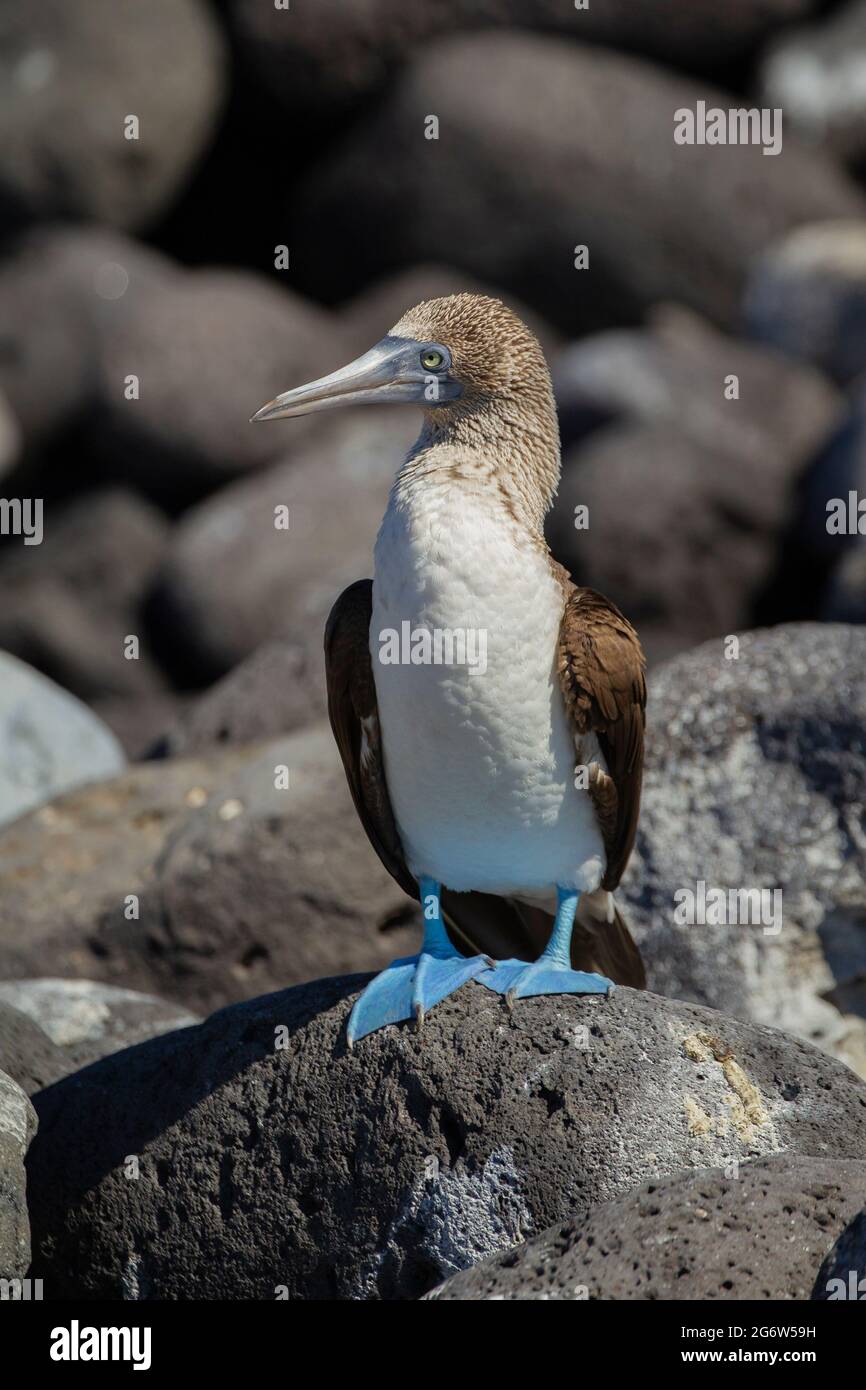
[517,979]
[408,988]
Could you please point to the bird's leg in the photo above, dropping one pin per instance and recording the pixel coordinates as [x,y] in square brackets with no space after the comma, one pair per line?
[407,988]
[552,972]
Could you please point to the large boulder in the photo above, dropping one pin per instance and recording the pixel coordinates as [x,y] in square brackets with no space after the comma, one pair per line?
[74,74]
[17,1127]
[322,62]
[756,779]
[543,146]
[202,880]
[257,1157]
[277,689]
[49,742]
[208,347]
[27,1053]
[234,579]
[756,1231]
[85,1020]
[806,296]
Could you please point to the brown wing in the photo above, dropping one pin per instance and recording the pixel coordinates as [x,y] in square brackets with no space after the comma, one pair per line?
[602,674]
[476,921]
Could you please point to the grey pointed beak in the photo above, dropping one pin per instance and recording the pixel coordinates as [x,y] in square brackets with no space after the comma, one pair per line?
[390,372]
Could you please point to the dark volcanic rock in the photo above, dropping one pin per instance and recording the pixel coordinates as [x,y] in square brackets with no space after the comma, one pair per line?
[17,1126]
[807,296]
[756,779]
[233,579]
[845,600]
[74,74]
[239,886]
[27,1054]
[544,146]
[48,742]
[325,60]
[277,689]
[86,1020]
[209,347]
[271,1158]
[842,1276]
[755,1232]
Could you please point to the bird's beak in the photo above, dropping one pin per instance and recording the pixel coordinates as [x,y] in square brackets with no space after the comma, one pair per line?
[390,372]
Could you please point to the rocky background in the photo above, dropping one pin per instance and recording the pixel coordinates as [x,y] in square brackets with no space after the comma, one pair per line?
[278,209]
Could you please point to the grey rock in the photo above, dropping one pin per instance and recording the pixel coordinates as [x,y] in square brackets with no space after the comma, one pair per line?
[56,284]
[85,1020]
[233,580]
[74,74]
[27,1054]
[72,601]
[276,690]
[543,146]
[48,741]
[327,60]
[756,779]
[815,73]
[208,347]
[270,1157]
[754,1232]
[806,296]
[239,886]
[842,1276]
[17,1127]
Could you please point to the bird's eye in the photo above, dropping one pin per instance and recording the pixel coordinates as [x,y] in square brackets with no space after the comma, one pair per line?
[431,359]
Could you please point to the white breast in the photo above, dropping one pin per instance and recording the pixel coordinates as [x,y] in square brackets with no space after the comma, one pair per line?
[480,766]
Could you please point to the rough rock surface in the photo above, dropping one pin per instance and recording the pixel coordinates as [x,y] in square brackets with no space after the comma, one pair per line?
[27,1054]
[756,779]
[276,690]
[48,741]
[842,1276]
[543,146]
[754,1232]
[85,1020]
[72,76]
[267,1155]
[17,1127]
[241,886]
[233,579]
[807,296]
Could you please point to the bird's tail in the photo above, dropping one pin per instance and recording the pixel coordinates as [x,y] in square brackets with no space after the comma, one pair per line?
[602,938]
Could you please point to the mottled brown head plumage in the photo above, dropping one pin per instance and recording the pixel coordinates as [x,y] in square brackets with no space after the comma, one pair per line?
[506,414]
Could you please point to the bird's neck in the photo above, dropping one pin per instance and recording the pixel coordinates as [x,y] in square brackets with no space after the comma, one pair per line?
[502,447]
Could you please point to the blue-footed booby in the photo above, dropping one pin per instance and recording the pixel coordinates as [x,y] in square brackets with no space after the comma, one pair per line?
[489,712]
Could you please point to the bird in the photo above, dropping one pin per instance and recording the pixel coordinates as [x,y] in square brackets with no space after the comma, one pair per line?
[489,712]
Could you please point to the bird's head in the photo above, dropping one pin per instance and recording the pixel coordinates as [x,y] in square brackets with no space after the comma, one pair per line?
[454,357]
